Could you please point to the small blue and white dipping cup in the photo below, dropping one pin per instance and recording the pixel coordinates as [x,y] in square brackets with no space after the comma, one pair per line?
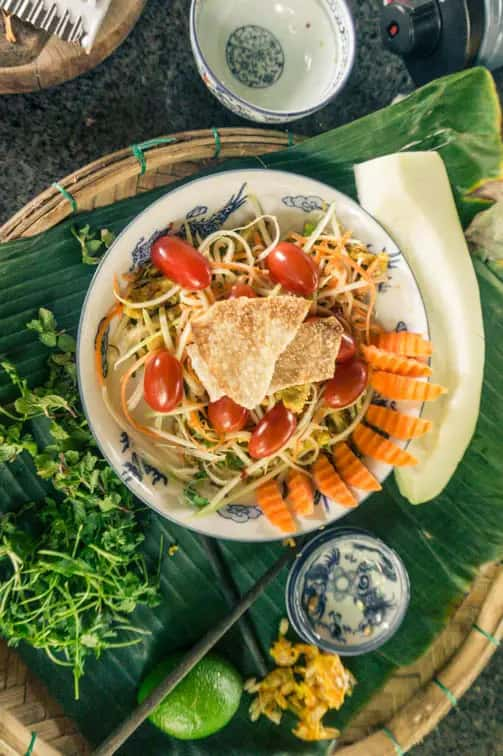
[347,592]
[269,61]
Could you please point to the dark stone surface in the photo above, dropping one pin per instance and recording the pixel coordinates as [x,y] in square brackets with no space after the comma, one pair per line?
[149,87]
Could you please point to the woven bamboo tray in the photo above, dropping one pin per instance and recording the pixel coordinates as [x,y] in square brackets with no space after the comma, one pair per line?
[416,697]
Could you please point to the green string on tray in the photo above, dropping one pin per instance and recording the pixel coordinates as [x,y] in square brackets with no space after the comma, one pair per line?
[138,150]
[291,139]
[66,194]
[450,695]
[398,748]
[487,635]
[218,143]
[32,744]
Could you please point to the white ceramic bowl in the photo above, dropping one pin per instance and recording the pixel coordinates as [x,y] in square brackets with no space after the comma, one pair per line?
[273,61]
[208,204]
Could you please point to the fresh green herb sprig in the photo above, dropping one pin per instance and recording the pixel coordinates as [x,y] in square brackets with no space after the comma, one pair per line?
[71,571]
[92,243]
[45,325]
[191,491]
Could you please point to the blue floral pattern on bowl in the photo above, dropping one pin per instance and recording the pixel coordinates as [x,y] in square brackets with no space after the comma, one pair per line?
[240,513]
[347,592]
[306,204]
[198,223]
[137,468]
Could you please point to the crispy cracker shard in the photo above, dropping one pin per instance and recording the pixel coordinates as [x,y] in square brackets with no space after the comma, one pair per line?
[238,341]
[310,357]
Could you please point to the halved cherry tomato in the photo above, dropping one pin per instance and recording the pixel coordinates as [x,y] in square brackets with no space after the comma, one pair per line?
[347,349]
[181,262]
[348,383]
[272,432]
[163,381]
[226,416]
[242,290]
[293,269]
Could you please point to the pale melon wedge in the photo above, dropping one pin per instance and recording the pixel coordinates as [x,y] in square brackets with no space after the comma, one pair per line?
[410,195]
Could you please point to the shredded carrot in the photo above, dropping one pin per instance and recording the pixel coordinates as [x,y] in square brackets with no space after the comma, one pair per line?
[274,507]
[395,363]
[371,284]
[116,286]
[352,469]
[300,493]
[98,344]
[404,342]
[397,424]
[329,483]
[374,445]
[194,421]
[400,387]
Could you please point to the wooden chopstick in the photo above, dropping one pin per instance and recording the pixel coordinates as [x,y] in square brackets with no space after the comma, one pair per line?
[200,649]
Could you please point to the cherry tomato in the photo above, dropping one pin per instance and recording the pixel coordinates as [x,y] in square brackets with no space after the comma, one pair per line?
[163,381]
[226,416]
[348,383]
[272,432]
[242,290]
[181,262]
[293,269]
[347,349]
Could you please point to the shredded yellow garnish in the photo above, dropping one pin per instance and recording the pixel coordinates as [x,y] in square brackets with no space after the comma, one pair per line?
[289,543]
[308,687]
[173,549]
[322,437]
[295,397]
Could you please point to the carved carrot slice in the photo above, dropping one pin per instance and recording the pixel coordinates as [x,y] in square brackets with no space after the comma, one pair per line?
[395,363]
[397,424]
[352,469]
[376,446]
[400,387]
[404,342]
[300,493]
[274,507]
[329,483]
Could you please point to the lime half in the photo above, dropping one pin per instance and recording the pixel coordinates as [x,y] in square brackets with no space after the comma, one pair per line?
[203,703]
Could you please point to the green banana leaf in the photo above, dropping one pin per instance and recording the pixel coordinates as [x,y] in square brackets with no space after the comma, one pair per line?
[442,543]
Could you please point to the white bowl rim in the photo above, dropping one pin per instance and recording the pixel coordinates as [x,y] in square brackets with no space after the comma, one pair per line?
[288,114]
[163,512]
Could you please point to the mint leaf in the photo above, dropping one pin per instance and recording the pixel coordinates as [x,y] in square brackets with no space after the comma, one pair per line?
[91,244]
[48,339]
[66,343]
[30,405]
[47,319]
[107,237]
